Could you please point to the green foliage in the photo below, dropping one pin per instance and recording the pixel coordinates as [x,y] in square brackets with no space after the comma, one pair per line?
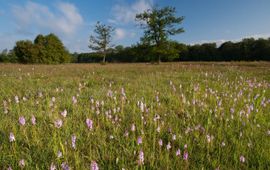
[46,50]
[159,24]
[100,42]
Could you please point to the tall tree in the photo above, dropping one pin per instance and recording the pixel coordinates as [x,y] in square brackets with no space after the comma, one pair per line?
[101,41]
[46,49]
[159,24]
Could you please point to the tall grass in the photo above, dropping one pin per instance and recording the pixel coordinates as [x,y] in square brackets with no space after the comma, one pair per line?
[135,116]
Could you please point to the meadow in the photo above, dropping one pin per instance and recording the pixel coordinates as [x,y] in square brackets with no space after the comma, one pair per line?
[135,116]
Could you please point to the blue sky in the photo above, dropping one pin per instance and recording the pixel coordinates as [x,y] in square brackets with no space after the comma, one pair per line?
[73,21]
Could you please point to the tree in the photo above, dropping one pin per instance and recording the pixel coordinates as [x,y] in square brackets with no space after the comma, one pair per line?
[159,24]
[46,49]
[101,41]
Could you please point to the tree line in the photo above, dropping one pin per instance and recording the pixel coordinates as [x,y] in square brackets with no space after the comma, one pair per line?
[155,46]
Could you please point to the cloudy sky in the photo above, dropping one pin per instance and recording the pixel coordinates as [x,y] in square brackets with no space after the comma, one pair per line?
[73,21]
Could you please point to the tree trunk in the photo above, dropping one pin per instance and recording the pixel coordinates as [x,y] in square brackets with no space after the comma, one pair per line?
[104,57]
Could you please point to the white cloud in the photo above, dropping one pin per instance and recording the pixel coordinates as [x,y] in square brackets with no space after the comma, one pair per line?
[120,34]
[127,13]
[64,20]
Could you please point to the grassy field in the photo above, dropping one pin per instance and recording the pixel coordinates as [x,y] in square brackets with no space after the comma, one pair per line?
[135,116]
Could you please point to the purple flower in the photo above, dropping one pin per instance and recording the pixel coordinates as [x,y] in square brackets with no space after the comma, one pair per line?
[73,141]
[9,168]
[58,123]
[178,152]
[141,158]
[22,163]
[33,120]
[160,142]
[65,166]
[169,146]
[74,100]
[52,167]
[139,140]
[59,154]
[242,159]
[94,165]
[89,124]
[64,113]
[133,127]
[11,137]
[185,156]
[22,120]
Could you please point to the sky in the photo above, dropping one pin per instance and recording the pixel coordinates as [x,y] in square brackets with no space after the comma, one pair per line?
[74,20]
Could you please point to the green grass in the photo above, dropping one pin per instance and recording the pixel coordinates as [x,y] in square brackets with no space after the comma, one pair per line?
[191,102]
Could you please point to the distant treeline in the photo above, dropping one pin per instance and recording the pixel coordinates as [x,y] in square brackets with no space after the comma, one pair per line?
[247,50]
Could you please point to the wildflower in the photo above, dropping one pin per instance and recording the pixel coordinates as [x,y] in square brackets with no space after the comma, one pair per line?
[58,123]
[126,134]
[169,146]
[9,168]
[94,165]
[185,156]
[158,129]
[64,113]
[141,158]
[52,167]
[133,127]
[139,140]
[22,120]
[53,99]
[22,163]
[59,154]
[242,159]
[185,146]
[268,132]
[65,166]
[160,142]
[16,99]
[74,100]
[178,152]
[11,137]
[174,137]
[89,124]
[73,141]
[223,144]
[33,120]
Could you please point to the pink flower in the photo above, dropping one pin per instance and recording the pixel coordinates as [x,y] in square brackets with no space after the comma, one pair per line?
[139,140]
[178,152]
[242,159]
[64,113]
[73,141]
[65,166]
[58,123]
[11,137]
[141,158]
[133,127]
[94,165]
[59,154]
[33,120]
[89,124]
[185,156]
[52,167]
[22,120]
[22,163]
[169,146]
[160,142]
